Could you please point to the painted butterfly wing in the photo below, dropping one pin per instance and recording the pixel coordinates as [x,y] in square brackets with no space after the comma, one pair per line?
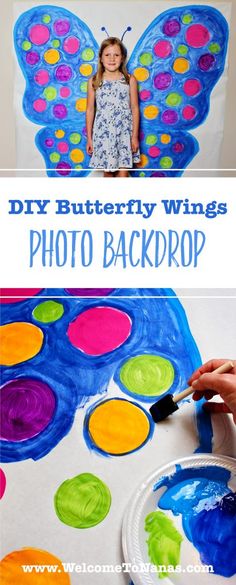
[177,62]
[57,54]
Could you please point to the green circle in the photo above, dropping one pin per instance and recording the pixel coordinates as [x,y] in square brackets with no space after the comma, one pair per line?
[145,59]
[50,93]
[75,138]
[187,18]
[54,157]
[166,162]
[46,18]
[48,312]
[151,139]
[78,167]
[84,86]
[182,49]
[147,375]
[142,174]
[83,501]
[214,48]
[88,54]
[56,43]
[174,99]
[26,45]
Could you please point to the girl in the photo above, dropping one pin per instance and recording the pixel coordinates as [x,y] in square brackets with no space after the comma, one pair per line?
[112,133]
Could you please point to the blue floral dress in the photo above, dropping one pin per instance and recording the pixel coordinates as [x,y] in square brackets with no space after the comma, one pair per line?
[113,127]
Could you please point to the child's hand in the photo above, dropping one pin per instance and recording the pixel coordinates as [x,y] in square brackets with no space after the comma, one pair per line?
[89,147]
[207,383]
[134,144]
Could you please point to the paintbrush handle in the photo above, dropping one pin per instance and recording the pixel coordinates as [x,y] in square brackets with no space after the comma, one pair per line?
[226,367]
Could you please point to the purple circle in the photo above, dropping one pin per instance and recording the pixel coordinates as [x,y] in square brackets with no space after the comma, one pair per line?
[158,174]
[163,80]
[49,142]
[178,147]
[89,292]
[170,117]
[60,111]
[206,62]
[32,58]
[64,73]
[84,131]
[141,135]
[171,28]
[27,408]
[61,27]
[63,168]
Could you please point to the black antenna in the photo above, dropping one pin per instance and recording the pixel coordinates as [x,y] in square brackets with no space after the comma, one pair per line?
[129,28]
[105,30]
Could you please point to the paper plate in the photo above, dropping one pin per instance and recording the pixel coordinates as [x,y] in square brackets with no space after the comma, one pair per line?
[134,537]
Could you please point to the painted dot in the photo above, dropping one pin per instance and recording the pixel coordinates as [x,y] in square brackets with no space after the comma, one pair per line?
[147,375]
[154,151]
[163,49]
[182,49]
[143,161]
[151,139]
[61,27]
[88,54]
[39,105]
[56,43]
[48,312]
[165,138]
[142,174]
[141,135]
[52,56]
[49,142]
[63,147]
[141,74]
[41,77]
[59,133]
[169,117]
[60,111]
[81,105]
[11,569]
[71,45]
[146,59]
[89,292]
[192,87]
[46,18]
[64,73]
[214,48]
[54,157]
[83,501]
[127,427]
[158,174]
[206,62]
[181,65]
[163,81]
[39,34]
[99,330]
[166,162]
[86,69]
[187,18]
[65,92]
[27,407]
[17,295]
[174,99]
[2,483]
[26,45]
[63,169]
[145,95]
[84,86]
[32,58]
[20,341]
[197,36]
[75,138]
[151,112]
[178,147]
[171,27]
[189,112]
[50,93]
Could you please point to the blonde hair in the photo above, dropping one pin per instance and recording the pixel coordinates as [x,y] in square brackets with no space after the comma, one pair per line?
[97,78]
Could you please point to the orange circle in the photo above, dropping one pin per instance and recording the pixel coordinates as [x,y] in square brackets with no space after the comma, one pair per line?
[59,133]
[181,65]
[151,112]
[86,69]
[13,573]
[81,105]
[118,426]
[141,74]
[143,161]
[76,155]
[165,138]
[20,342]
[51,56]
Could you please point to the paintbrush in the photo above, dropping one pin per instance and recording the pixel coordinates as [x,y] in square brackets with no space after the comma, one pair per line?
[168,404]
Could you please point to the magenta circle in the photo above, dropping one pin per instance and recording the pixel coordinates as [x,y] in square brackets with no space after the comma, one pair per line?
[60,111]
[40,105]
[63,168]
[192,87]
[170,117]
[172,27]
[178,147]
[41,77]
[61,27]
[99,330]
[141,135]
[84,131]
[154,151]
[145,95]
[189,112]
[163,49]
[159,174]
[39,34]
[32,58]
[71,45]
[197,36]
[27,408]
[89,292]
[65,92]
[163,81]
[49,142]
[63,147]
[206,62]
[64,73]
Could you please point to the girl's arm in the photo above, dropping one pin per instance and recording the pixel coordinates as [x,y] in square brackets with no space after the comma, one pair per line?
[90,112]
[135,113]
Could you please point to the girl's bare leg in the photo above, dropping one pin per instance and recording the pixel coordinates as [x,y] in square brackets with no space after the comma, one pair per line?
[107,174]
[122,173]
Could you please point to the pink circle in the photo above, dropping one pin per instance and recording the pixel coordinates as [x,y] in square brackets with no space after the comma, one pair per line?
[41,77]
[197,36]
[154,151]
[62,147]
[65,92]
[39,34]
[163,49]
[71,45]
[2,483]
[189,112]
[192,87]
[18,294]
[99,330]
[40,105]
[145,95]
